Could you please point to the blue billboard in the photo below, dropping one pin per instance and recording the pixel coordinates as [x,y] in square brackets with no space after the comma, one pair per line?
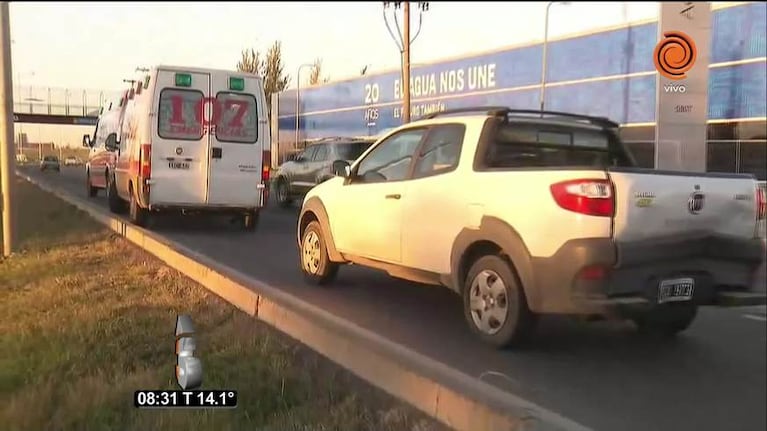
[610,73]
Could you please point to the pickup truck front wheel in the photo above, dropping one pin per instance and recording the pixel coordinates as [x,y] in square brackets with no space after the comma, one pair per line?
[666,320]
[494,303]
[315,261]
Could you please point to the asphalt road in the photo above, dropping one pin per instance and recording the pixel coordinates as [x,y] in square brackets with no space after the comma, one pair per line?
[601,375]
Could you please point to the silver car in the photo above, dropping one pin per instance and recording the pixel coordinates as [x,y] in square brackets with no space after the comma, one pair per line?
[50,163]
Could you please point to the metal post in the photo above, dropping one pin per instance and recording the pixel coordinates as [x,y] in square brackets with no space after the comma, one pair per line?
[298,96]
[544,62]
[49,100]
[406,64]
[545,48]
[7,158]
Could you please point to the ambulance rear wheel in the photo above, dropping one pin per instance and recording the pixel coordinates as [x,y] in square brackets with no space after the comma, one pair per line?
[138,216]
[250,221]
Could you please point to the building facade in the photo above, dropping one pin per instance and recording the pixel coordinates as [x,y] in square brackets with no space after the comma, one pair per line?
[605,73]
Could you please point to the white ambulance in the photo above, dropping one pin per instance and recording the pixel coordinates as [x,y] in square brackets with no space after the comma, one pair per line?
[192,140]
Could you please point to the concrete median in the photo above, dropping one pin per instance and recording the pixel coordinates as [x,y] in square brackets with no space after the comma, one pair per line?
[455,399]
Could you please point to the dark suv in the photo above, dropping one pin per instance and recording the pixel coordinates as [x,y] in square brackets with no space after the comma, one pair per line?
[312,166]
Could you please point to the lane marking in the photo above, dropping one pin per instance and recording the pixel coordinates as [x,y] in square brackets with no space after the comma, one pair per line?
[755,317]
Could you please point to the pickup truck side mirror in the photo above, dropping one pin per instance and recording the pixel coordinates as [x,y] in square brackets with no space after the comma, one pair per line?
[87,141]
[342,168]
[111,142]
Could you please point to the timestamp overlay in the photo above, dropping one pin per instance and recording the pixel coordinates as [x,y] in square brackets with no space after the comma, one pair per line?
[194,399]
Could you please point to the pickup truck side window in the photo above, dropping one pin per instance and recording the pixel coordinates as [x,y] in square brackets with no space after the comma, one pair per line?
[308,154]
[390,160]
[321,153]
[543,145]
[440,151]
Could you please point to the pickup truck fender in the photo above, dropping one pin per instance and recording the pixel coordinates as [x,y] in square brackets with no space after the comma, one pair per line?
[500,234]
[313,209]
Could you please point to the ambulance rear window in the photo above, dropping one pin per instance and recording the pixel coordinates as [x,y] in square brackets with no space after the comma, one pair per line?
[178,117]
[238,121]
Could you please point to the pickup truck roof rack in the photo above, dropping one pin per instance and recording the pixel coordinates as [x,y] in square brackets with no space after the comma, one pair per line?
[500,111]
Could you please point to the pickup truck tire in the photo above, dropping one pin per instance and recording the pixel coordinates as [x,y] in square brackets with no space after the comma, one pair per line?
[116,205]
[666,320]
[315,261]
[91,191]
[137,215]
[282,193]
[494,303]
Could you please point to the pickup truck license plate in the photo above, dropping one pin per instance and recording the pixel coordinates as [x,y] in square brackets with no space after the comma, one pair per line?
[678,289]
[178,165]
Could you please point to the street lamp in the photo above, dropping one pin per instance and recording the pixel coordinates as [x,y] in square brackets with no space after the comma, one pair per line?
[403,42]
[298,95]
[544,62]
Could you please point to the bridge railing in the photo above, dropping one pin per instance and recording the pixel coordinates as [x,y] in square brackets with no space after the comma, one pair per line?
[60,101]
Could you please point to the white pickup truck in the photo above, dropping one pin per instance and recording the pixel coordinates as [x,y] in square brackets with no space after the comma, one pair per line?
[526,213]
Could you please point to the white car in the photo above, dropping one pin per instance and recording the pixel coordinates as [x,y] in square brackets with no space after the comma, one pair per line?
[72,161]
[526,213]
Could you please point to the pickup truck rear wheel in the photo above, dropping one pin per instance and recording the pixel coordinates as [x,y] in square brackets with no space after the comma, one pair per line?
[494,303]
[315,261]
[666,320]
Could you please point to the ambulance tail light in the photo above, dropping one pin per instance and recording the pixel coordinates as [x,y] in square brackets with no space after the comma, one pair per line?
[146,161]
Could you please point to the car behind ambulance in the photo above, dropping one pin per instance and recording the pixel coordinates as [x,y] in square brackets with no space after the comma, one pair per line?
[192,140]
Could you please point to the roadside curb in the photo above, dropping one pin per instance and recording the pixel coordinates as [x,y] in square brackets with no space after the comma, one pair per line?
[449,396]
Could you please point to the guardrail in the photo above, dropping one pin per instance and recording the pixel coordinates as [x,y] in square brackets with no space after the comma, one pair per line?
[449,396]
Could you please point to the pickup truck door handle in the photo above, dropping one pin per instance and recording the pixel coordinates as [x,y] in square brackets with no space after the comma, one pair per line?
[394,196]
[216,153]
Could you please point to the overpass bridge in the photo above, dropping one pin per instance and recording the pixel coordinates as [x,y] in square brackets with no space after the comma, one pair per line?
[53,105]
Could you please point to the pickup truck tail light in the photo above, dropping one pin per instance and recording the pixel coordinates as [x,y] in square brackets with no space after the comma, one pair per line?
[266,162]
[146,161]
[586,196]
[761,203]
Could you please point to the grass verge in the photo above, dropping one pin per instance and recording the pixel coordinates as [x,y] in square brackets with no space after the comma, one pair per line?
[86,319]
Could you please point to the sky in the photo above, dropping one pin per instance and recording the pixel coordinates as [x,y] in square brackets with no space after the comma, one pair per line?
[97,45]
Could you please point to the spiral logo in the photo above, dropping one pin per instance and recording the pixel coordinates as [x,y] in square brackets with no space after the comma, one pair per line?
[675,55]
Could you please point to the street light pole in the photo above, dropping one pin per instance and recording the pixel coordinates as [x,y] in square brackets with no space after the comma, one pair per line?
[298,96]
[544,62]
[7,158]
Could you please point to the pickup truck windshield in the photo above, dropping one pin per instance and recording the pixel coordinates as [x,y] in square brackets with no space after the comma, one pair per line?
[542,144]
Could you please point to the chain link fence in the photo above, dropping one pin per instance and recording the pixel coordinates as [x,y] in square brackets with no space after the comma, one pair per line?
[60,101]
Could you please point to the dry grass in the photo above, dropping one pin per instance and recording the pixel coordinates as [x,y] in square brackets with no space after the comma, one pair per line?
[86,319]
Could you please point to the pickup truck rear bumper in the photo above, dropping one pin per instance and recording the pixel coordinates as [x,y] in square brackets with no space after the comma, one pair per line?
[594,275]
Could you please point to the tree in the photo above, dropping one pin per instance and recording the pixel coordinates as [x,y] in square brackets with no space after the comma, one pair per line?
[270,69]
[315,77]
[250,62]
[275,79]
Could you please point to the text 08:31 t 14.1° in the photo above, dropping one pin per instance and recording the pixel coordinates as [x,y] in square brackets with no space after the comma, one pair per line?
[198,399]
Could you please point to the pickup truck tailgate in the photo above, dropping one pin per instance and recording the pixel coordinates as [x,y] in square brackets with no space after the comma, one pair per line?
[662,205]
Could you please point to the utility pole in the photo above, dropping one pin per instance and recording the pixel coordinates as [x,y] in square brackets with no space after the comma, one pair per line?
[406,65]
[7,157]
[403,42]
